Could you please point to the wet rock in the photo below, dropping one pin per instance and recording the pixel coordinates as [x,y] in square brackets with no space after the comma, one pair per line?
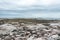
[29,32]
[53,37]
[6,28]
[31,38]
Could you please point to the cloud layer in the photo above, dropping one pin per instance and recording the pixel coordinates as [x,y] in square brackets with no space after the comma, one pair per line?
[20,4]
[30,8]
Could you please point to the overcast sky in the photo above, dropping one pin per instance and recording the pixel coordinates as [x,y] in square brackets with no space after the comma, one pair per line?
[29,8]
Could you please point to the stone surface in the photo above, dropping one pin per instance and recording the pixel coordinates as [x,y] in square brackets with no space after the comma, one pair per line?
[29,32]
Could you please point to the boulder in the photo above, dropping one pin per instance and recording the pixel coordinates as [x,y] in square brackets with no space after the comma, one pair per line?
[6,28]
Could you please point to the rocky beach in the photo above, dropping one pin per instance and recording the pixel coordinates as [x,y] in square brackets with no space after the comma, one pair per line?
[29,31]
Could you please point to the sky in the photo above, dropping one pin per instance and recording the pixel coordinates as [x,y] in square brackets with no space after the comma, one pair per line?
[29,8]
